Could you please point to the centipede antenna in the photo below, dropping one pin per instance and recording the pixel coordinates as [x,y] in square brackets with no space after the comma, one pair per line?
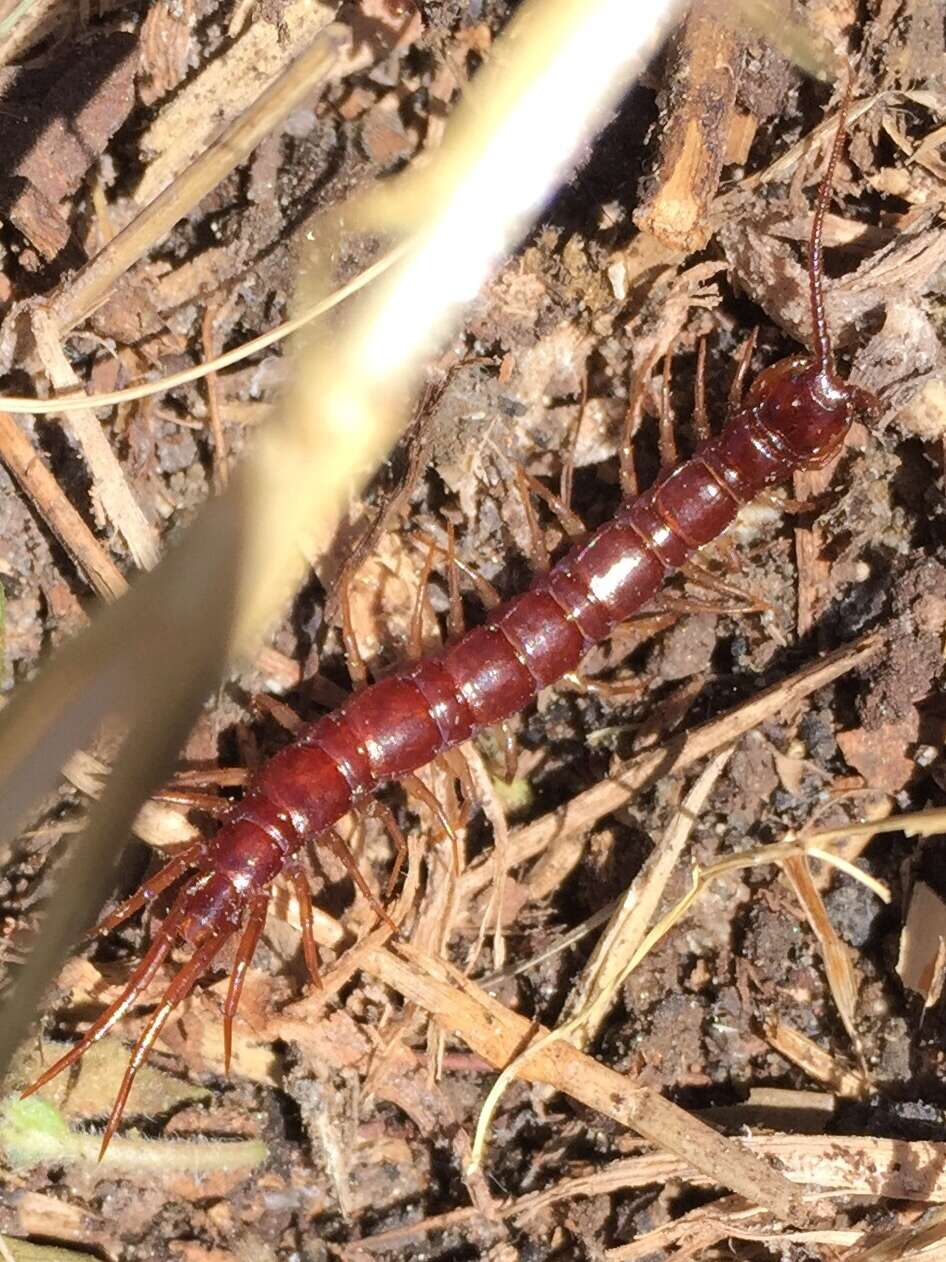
[824,356]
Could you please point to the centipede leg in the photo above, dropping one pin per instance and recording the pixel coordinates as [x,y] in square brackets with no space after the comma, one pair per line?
[310,948]
[612,689]
[334,842]
[484,588]
[737,388]
[244,955]
[415,644]
[416,787]
[569,521]
[701,426]
[384,813]
[138,982]
[667,441]
[538,552]
[178,990]
[194,800]
[702,577]
[455,619]
[149,890]
[455,762]
[510,748]
[356,663]
[567,479]
[637,393]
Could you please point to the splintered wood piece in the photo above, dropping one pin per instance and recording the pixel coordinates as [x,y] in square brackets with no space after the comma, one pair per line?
[703,77]
[922,961]
[26,464]
[108,478]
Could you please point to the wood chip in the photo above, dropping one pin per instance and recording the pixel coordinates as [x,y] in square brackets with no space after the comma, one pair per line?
[881,754]
[922,960]
[225,87]
[167,45]
[707,61]
[88,94]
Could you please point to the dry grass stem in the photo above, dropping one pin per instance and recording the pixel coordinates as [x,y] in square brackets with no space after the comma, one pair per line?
[728,1218]
[618,951]
[839,966]
[111,486]
[895,1169]
[780,853]
[815,1061]
[677,755]
[147,389]
[83,292]
[55,508]
[498,1035]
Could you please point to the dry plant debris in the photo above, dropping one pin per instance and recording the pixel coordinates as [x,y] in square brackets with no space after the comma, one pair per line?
[760,1077]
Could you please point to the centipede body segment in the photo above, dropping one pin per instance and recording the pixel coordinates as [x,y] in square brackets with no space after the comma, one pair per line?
[795,417]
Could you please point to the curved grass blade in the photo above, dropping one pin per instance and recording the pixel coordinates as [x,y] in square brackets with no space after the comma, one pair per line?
[150,659]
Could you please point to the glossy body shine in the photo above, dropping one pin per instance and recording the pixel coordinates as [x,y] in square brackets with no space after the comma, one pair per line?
[795,417]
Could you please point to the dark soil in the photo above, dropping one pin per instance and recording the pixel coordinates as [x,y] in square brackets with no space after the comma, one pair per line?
[346,1165]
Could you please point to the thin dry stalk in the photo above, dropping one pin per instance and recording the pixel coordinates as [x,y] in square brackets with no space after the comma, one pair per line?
[628,779]
[814,1060]
[45,493]
[778,853]
[108,478]
[91,285]
[892,1169]
[618,951]
[731,1219]
[147,389]
[498,1035]
[492,808]
[839,967]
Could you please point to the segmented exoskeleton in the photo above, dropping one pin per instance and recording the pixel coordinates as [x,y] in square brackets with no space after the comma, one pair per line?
[795,417]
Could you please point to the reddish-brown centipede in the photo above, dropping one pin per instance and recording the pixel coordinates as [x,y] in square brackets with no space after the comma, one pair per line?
[795,417]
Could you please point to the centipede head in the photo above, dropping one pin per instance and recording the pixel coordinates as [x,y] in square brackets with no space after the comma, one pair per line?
[802,401]
[808,408]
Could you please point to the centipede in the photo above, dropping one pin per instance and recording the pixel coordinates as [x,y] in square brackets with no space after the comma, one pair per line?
[794,417]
